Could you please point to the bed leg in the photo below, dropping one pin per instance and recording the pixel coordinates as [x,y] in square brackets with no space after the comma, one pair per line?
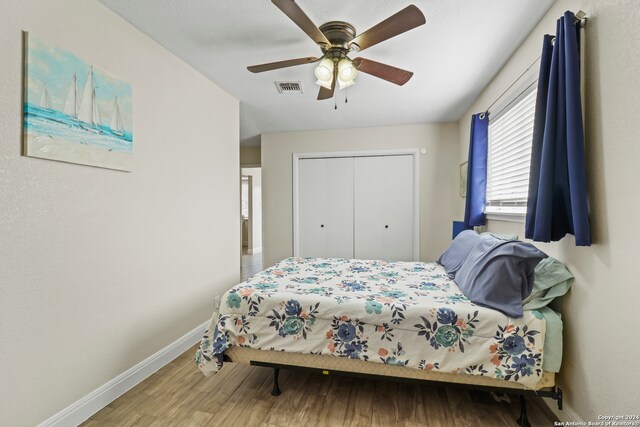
[276,387]
[523,421]
[557,395]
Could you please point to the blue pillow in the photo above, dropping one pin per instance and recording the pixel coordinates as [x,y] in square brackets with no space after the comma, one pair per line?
[499,274]
[457,252]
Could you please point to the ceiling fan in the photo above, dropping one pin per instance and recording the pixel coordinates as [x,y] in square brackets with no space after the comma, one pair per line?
[337,39]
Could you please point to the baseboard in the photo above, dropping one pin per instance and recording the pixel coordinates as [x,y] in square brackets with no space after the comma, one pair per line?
[82,409]
[566,414]
[254,251]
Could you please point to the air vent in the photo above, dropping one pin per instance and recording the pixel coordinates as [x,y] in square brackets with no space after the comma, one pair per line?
[289,87]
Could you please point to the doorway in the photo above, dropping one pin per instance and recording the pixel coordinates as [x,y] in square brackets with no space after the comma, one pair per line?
[251,210]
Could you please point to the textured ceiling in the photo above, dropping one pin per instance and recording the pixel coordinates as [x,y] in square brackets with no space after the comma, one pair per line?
[454,55]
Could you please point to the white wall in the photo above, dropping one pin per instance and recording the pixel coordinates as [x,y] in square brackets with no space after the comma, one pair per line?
[438,178]
[601,312]
[98,268]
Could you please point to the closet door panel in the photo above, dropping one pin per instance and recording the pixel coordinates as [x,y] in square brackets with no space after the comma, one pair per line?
[383,212]
[325,208]
[399,209]
[369,204]
[339,208]
[312,189]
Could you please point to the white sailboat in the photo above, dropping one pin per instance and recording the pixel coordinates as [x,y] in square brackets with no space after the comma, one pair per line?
[116,119]
[45,98]
[72,101]
[88,111]
[96,112]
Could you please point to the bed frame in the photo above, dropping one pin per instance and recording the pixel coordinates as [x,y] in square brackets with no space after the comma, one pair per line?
[339,366]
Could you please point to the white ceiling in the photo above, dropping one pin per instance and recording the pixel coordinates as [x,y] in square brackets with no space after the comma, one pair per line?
[454,55]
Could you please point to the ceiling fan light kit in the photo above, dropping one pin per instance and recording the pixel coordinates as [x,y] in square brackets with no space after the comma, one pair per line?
[346,73]
[337,39]
[324,73]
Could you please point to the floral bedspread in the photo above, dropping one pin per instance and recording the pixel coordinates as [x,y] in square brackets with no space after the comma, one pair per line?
[401,313]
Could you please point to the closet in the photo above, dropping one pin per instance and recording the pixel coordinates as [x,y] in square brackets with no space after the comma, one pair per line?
[359,206]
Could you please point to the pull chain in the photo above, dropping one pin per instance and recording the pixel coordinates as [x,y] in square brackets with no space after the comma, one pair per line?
[335,98]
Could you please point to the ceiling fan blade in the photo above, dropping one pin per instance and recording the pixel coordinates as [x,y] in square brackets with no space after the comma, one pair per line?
[408,18]
[383,71]
[281,64]
[297,15]
[328,93]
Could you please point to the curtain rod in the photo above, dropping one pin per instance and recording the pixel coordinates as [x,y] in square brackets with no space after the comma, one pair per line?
[581,17]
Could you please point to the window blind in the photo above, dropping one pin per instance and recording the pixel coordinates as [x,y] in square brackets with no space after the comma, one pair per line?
[509,157]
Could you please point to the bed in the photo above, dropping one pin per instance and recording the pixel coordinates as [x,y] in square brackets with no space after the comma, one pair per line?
[406,320]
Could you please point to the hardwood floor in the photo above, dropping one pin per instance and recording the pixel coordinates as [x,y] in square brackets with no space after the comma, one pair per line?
[250,265]
[240,395]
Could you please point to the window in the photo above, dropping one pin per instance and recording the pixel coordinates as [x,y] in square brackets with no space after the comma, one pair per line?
[510,137]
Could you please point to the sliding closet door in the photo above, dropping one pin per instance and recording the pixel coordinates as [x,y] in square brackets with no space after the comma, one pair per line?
[384,209]
[325,203]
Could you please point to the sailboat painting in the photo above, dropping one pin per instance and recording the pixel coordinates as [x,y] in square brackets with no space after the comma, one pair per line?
[74,111]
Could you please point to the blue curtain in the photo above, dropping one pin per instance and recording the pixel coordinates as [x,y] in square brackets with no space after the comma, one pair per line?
[558,199]
[477,170]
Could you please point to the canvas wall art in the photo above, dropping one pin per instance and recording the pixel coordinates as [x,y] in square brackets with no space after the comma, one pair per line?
[74,111]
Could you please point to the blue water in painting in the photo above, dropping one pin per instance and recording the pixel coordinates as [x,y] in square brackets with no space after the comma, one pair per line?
[47,122]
